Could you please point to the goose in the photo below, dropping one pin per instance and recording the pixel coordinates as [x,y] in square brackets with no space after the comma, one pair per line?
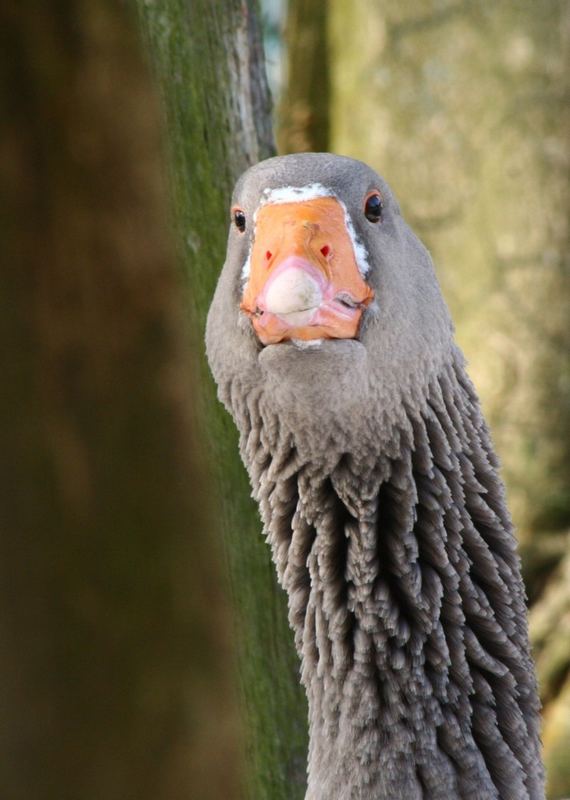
[378,489]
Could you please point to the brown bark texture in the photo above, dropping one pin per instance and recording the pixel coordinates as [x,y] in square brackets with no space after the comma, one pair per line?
[304,111]
[114,635]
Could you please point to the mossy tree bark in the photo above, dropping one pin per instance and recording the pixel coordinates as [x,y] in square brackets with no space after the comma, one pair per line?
[209,63]
[114,678]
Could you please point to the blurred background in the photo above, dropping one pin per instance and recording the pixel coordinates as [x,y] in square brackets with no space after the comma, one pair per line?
[464,108]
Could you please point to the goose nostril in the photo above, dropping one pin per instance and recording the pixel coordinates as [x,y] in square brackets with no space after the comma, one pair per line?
[268,255]
[325,250]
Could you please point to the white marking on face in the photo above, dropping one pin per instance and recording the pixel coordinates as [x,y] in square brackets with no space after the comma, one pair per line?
[305,344]
[295,194]
[246,269]
[360,251]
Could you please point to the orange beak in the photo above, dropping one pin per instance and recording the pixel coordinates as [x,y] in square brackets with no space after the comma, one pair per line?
[304,282]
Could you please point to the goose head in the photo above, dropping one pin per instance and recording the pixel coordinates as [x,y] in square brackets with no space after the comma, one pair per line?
[327,301]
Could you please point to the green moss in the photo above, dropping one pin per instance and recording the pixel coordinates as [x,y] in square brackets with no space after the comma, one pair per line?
[195,49]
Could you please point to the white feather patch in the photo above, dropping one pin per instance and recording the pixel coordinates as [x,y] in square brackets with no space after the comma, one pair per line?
[360,251]
[246,269]
[306,344]
[295,194]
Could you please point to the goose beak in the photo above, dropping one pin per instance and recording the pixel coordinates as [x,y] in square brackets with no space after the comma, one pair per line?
[304,281]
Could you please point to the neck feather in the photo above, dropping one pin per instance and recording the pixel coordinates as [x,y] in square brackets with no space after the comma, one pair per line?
[406,602]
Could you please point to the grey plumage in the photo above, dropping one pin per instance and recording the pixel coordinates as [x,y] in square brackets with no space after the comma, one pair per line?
[380,498]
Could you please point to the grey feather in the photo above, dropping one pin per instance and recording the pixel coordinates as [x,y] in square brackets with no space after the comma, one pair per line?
[380,499]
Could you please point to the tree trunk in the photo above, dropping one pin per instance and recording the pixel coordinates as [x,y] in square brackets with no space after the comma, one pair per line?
[304,111]
[464,108]
[114,679]
[209,62]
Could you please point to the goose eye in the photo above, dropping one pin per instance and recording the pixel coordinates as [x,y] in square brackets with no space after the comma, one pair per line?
[373,208]
[239,220]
